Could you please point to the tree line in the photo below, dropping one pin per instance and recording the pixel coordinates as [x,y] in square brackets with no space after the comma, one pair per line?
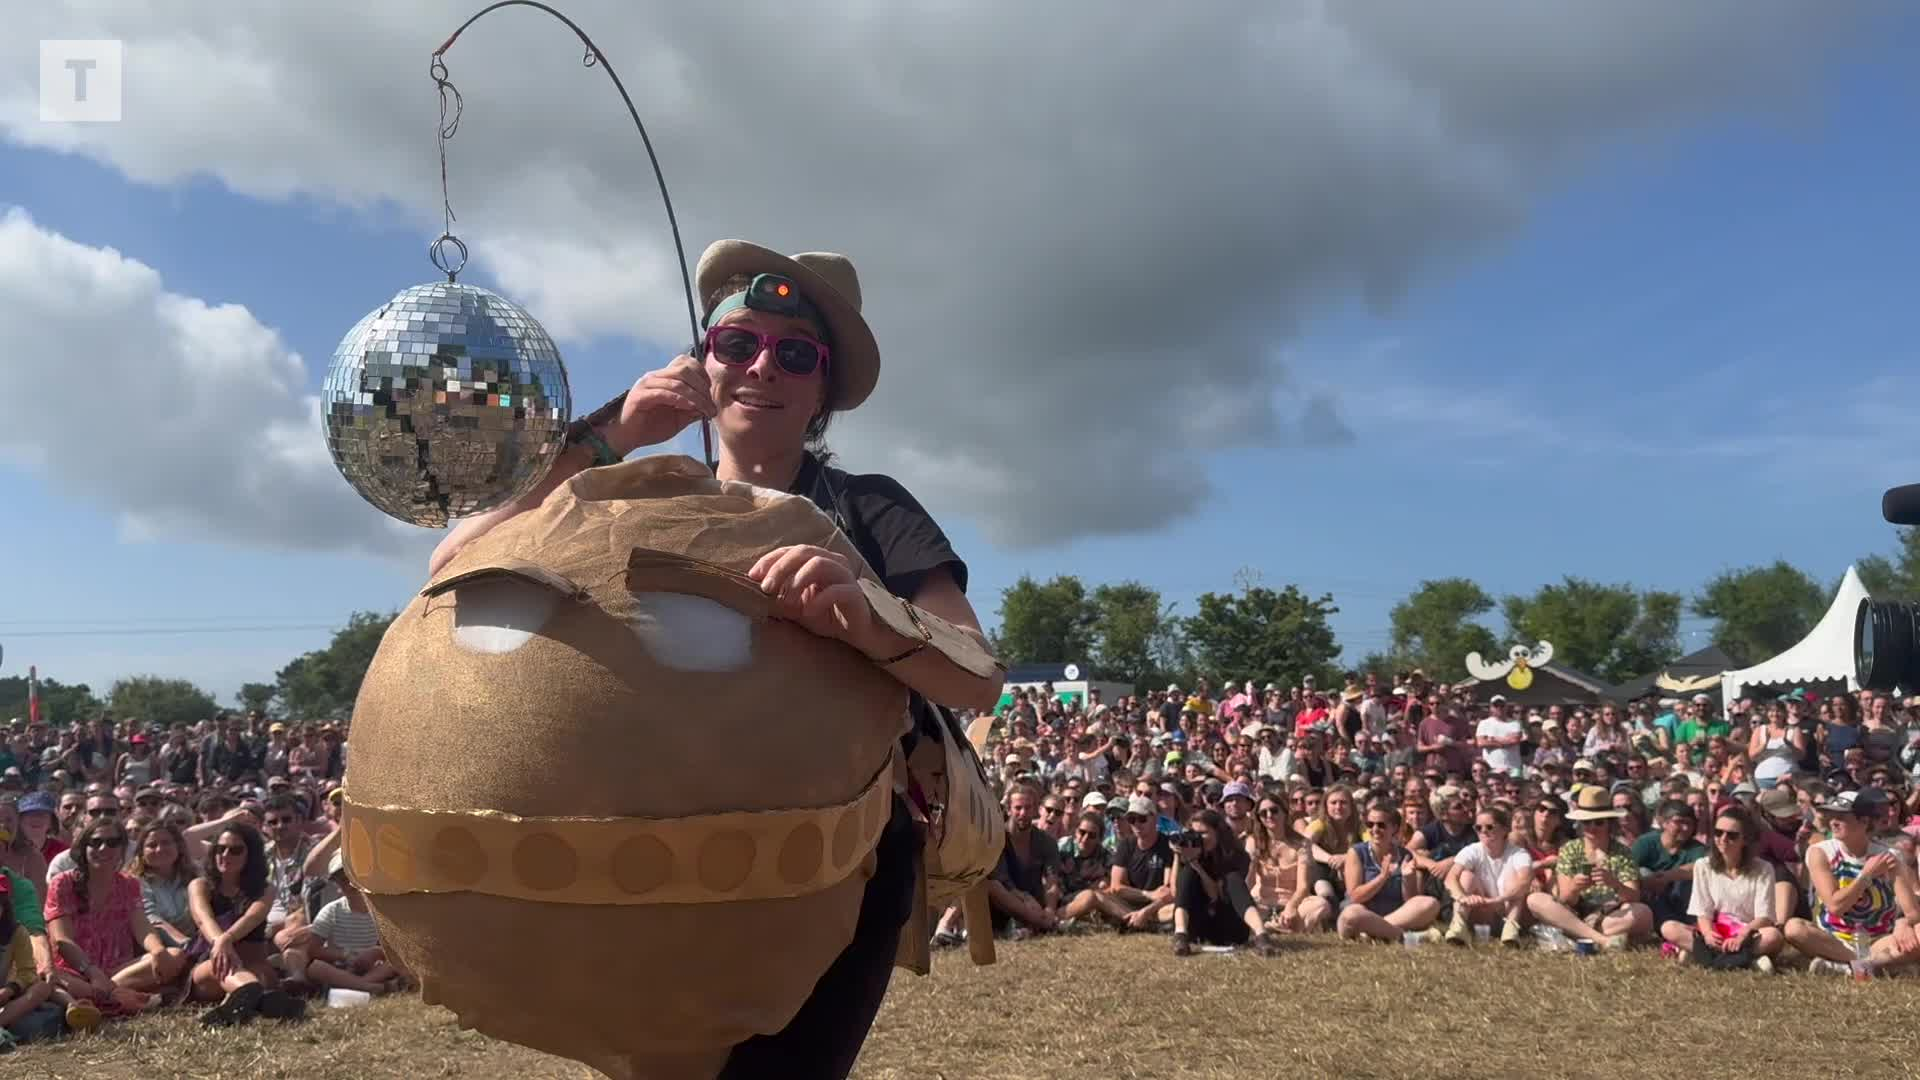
[1128,632]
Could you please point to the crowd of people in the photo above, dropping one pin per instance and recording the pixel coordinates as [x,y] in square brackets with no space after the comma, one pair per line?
[143,867]
[1419,812]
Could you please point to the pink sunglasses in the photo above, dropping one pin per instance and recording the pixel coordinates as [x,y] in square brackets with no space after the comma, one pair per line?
[738,345]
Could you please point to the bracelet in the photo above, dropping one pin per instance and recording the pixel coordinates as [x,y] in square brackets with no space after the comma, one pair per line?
[926,637]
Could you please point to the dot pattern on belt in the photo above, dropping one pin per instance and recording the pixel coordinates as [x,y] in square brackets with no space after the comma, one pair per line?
[742,855]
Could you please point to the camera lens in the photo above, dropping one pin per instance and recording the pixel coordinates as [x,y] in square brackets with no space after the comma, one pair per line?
[1884,640]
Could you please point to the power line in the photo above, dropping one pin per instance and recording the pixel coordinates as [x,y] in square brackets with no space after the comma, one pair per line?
[165,630]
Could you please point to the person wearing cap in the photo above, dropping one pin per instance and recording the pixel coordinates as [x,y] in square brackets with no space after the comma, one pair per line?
[138,766]
[1596,884]
[1138,893]
[1864,895]
[1499,738]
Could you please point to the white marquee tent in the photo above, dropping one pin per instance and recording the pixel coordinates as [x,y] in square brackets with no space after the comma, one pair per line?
[1825,653]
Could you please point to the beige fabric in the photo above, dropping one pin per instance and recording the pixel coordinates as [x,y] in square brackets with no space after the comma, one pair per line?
[540,690]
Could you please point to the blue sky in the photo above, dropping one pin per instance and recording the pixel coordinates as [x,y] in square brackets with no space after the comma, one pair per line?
[1691,350]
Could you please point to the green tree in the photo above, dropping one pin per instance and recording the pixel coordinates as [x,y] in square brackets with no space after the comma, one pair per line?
[60,704]
[1135,635]
[1263,635]
[255,695]
[1434,629]
[1045,623]
[150,699]
[1608,631]
[322,684]
[1761,610]
[1897,578]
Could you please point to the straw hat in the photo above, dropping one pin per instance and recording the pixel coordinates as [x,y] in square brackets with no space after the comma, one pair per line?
[828,280]
[1593,804]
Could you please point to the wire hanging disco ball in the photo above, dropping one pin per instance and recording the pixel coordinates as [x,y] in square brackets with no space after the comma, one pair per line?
[446,401]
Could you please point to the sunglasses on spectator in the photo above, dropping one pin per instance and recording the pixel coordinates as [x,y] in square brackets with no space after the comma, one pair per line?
[103,811]
[1486,828]
[1729,834]
[738,345]
[229,849]
[101,843]
[1376,823]
[1086,834]
[1138,819]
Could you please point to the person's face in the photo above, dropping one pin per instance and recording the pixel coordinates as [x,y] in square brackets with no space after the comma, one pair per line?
[1208,840]
[1678,830]
[1399,775]
[1086,836]
[1479,771]
[1237,809]
[1490,833]
[1271,814]
[1850,828]
[1622,800]
[278,823]
[1413,809]
[107,848]
[102,808]
[1021,811]
[1609,715]
[158,850]
[229,853]
[1312,803]
[1381,828]
[1340,806]
[760,400]
[1144,828]
[1459,812]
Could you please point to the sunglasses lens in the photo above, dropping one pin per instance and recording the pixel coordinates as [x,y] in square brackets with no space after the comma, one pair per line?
[734,346]
[797,357]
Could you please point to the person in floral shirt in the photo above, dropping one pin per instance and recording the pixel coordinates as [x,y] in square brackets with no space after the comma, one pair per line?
[1596,884]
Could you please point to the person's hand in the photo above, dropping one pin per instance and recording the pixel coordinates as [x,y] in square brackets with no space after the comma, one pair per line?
[1290,920]
[226,959]
[1583,882]
[1880,865]
[1904,939]
[661,403]
[100,982]
[1734,942]
[1139,920]
[1048,920]
[1714,939]
[816,589]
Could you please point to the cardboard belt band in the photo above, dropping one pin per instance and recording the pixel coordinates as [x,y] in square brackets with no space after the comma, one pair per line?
[701,859]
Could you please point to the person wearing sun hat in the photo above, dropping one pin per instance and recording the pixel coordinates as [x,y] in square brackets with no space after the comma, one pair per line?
[784,348]
[1596,884]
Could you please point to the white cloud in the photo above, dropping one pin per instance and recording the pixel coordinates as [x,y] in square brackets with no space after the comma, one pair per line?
[186,420]
[1086,230]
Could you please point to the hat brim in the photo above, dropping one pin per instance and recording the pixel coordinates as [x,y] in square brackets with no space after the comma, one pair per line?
[854,367]
[1595,815]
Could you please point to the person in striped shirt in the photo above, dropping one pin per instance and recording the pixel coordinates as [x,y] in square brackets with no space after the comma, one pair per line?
[345,948]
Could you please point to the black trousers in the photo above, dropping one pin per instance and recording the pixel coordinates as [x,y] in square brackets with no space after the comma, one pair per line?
[1210,921]
[825,1036]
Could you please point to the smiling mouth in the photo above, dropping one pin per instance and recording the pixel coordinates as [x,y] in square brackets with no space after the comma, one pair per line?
[757,403]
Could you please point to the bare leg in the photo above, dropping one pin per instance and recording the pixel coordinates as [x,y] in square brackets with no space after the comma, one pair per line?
[1416,914]
[30,999]
[1768,941]
[1679,935]
[1807,937]
[1315,914]
[327,974]
[1356,921]
[1551,911]
[1886,955]
[1634,920]
[1085,902]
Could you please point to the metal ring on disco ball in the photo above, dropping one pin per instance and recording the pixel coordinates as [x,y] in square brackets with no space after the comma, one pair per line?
[439,258]
[448,401]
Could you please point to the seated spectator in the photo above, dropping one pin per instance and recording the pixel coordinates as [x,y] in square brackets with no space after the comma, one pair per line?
[1139,888]
[229,902]
[1596,884]
[1488,880]
[1384,887]
[343,948]
[1732,900]
[1085,856]
[1278,875]
[1435,844]
[1211,903]
[1236,805]
[1025,886]
[23,992]
[98,928]
[1783,834]
[27,855]
[1665,858]
[102,806]
[1863,895]
[163,870]
[1330,836]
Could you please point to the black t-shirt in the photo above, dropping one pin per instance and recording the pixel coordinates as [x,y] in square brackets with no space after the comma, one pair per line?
[1442,845]
[1146,868]
[1029,875]
[891,530]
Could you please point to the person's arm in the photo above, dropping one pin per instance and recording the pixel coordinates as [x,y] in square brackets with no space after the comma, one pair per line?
[1360,891]
[144,932]
[315,866]
[200,909]
[1568,887]
[1832,897]
[60,936]
[151,910]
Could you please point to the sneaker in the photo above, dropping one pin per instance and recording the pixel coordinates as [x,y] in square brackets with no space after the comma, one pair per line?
[1510,934]
[1432,935]
[239,1007]
[280,1005]
[1822,966]
[83,1016]
[1457,930]
[947,939]
[1182,946]
[1616,943]
[1763,965]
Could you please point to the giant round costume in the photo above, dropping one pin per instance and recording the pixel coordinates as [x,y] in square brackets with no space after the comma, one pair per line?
[605,804]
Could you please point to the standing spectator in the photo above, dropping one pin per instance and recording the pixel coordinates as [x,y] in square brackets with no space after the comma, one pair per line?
[1489,880]
[1665,858]
[1596,884]
[179,758]
[138,766]
[1862,893]
[227,757]
[1499,738]
[1732,900]
[1385,891]
[273,759]
[1211,902]
[1445,740]
[1607,735]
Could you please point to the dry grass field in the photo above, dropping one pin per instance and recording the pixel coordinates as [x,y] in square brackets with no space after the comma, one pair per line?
[1113,1008]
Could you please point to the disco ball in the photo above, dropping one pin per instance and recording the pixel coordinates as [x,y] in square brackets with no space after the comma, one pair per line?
[446,401]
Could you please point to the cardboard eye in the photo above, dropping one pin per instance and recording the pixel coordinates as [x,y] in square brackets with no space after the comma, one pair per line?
[497,615]
[692,633]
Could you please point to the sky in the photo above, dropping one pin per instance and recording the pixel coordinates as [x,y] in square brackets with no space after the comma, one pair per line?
[1352,295]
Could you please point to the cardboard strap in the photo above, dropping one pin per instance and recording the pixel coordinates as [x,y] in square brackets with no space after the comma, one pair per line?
[699,859]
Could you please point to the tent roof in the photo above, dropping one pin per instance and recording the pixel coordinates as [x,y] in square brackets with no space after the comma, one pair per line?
[1552,685]
[1712,660]
[1825,653]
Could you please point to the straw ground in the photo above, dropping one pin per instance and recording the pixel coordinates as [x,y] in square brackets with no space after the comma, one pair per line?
[1114,1008]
